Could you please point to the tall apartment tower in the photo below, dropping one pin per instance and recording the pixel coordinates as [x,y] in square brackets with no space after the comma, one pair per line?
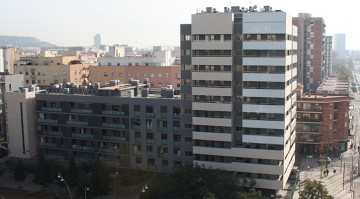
[238,91]
[97,40]
[328,56]
[311,36]
[339,46]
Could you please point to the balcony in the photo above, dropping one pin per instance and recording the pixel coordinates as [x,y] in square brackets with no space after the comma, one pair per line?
[308,120]
[177,143]
[162,129]
[137,152]
[150,141]
[150,154]
[81,135]
[83,148]
[136,127]
[151,167]
[164,142]
[47,145]
[52,133]
[116,113]
[138,140]
[48,121]
[76,123]
[109,150]
[163,115]
[137,113]
[83,159]
[111,125]
[77,110]
[176,116]
[176,129]
[150,114]
[114,138]
[51,109]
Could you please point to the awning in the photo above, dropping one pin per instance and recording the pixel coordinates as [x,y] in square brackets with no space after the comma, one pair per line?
[312,124]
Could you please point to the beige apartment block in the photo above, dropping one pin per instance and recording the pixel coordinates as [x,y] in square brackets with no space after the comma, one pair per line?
[20,114]
[158,76]
[57,61]
[53,74]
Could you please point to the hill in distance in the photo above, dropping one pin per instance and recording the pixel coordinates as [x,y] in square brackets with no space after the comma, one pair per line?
[23,42]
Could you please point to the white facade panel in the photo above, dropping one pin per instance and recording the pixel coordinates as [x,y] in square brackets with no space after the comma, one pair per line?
[263,108]
[211,91]
[263,77]
[264,45]
[244,167]
[210,23]
[211,121]
[201,45]
[294,72]
[288,75]
[263,124]
[211,106]
[294,45]
[264,28]
[288,105]
[240,152]
[294,85]
[293,125]
[263,93]
[224,76]
[256,61]
[211,60]
[268,17]
[263,139]
[224,137]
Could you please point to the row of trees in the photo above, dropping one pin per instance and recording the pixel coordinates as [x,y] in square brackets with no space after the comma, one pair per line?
[200,183]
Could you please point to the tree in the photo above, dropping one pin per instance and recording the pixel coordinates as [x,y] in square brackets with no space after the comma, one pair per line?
[43,173]
[19,172]
[251,193]
[314,189]
[72,173]
[199,183]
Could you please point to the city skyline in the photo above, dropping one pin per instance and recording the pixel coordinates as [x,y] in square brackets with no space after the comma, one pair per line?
[144,23]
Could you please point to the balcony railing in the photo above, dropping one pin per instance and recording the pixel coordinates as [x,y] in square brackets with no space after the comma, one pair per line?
[111,125]
[308,120]
[176,116]
[49,121]
[150,141]
[137,113]
[136,127]
[51,109]
[163,115]
[81,135]
[164,142]
[137,139]
[150,114]
[47,145]
[176,129]
[162,129]
[119,113]
[77,110]
[177,143]
[77,123]
[52,133]
[114,138]
[83,148]
[57,157]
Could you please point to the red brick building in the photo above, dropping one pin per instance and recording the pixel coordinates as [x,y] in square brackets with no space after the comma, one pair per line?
[322,124]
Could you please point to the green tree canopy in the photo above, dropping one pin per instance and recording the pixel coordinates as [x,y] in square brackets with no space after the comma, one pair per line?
[198,183]
[19,172]
[314,189]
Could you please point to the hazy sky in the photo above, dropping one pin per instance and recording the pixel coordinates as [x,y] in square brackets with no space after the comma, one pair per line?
[145,23]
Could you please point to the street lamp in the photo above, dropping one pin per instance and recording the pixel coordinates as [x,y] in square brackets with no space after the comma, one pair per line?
[86,189]
[63,180]
[307,164]
[116,174]
[143,189]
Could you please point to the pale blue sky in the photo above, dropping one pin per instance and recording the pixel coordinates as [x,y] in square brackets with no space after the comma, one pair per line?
[144,23]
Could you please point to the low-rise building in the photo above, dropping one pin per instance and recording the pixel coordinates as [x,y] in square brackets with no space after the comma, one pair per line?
[157,76]
[116,124]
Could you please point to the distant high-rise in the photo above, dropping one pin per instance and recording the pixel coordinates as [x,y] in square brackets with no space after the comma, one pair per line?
[97,40]
[328,55]
[339,46]
[311,36]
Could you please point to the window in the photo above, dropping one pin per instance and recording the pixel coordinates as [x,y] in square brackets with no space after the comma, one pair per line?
[120,74]
[105,74]
[26,73]
[167,75]
[145,75]
[99,74]
[152,75]
[159,75]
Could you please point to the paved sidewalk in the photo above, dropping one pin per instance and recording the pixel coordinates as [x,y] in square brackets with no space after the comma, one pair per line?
[334,183]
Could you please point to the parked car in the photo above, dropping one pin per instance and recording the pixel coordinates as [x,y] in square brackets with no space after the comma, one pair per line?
[325,159]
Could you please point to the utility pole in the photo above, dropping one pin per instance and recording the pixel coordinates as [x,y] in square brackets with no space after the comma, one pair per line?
[344,177]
